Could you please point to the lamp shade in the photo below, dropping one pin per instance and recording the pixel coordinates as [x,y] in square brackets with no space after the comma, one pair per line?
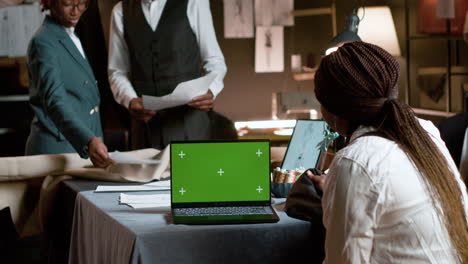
[377,27]
[348,34]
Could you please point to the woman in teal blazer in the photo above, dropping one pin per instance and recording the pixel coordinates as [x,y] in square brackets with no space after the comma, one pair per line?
[63,91]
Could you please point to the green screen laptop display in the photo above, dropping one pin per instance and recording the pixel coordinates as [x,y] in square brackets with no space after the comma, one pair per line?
[220,171]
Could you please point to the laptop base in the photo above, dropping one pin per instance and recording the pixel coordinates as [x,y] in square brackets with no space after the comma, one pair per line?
[225,219]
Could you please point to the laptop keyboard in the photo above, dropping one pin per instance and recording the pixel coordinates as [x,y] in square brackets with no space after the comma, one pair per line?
[232,210]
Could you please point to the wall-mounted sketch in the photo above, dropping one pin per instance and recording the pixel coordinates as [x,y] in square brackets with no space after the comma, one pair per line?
[18,25]
[274,12]
[263,12]
[238,19]
[269,52]
[282,12]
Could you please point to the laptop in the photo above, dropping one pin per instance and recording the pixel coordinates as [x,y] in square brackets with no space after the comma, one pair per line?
[303,150]
[221,182]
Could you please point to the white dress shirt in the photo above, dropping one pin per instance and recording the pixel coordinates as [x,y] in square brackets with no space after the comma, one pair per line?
[71,32]
[199,16]
[377,208]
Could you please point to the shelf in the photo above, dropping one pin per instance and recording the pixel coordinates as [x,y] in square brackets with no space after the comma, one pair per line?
[330,10]
[448,70]
[302,76]
[454,70]
[439,37]
[14,98]
[312,11]
[433,112]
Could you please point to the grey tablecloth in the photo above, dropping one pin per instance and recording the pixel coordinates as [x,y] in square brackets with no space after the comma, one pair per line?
[106,232]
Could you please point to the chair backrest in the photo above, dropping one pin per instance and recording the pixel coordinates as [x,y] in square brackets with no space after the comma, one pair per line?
[222,127]
[452,131]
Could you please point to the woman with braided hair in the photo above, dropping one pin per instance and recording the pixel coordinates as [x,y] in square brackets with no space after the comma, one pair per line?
[63,92]
[393,194]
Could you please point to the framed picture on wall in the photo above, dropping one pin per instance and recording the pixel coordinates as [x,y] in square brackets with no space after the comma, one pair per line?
[432,83]
[428,22]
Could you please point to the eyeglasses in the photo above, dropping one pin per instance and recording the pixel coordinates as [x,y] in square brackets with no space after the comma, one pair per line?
[82,5]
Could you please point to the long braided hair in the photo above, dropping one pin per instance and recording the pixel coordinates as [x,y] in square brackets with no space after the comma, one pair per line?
[358,83]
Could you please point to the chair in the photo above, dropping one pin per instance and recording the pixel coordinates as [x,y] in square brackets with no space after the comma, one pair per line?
[452,131]
[222,127]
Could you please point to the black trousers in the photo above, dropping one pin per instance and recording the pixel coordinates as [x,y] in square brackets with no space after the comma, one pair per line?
[175,124]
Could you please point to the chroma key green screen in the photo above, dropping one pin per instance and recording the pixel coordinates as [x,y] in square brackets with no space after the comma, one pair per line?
[220,171]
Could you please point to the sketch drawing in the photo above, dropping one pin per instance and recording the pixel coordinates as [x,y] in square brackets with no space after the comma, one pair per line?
[269,52]
[238,19]
[263,12]
[282,12]
[274,12]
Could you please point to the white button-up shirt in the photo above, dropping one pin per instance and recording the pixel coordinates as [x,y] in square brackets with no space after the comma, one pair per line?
[71,33]
[199,16]
[377,208]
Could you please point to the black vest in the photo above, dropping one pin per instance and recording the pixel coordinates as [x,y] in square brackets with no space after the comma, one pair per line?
[160,59]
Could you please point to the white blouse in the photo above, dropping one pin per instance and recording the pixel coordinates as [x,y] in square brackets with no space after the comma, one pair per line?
[199,16]
[377,209]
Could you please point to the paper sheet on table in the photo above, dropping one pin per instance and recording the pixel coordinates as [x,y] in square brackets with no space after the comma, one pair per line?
[182,94]
[152,186]
[126,159]
[145,201]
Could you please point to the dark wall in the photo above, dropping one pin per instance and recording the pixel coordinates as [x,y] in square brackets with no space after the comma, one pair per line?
[247,95]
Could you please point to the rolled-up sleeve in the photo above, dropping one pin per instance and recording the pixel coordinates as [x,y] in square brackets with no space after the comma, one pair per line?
[213,60]
[119,62]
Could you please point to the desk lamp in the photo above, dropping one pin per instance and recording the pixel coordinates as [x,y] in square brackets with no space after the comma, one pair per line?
[348,34]
[378,28]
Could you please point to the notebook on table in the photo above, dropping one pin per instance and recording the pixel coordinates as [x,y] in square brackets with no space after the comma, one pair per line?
[221,182]
[303,150]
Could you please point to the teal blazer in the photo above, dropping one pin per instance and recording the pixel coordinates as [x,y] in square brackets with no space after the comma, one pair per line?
[63,94]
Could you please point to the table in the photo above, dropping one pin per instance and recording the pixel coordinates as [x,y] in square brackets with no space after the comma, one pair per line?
[104,231]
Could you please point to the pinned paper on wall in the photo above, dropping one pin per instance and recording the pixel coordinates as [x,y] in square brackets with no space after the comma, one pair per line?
[263,12]
[238,19]
[274,12]
[19,24]
[269,49]
[282,12]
